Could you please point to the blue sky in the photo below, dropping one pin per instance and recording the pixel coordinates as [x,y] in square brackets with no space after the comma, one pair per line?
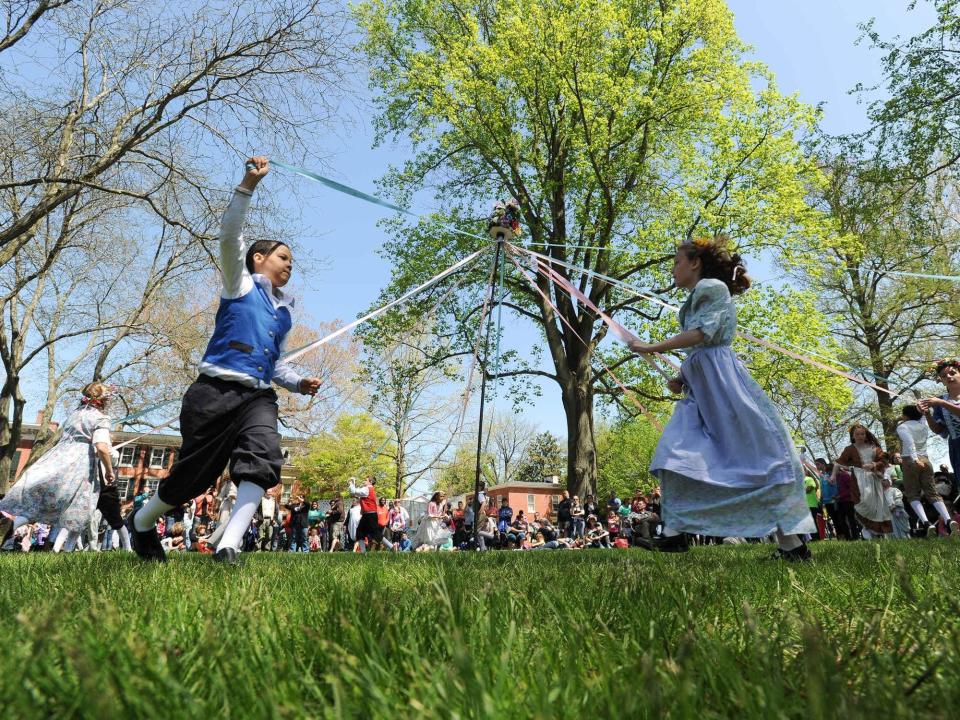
[810,47]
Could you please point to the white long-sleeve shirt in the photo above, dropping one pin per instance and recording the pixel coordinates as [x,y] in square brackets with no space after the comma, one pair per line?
[913,439]
[359,492]
[237,282]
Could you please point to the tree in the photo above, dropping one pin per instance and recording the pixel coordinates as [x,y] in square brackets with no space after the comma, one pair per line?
[144,92]
[354,447]
[914,129]
[458,476]
[890,326]
[621,127]
[335,362]
[544,458]
[409,395]
[509,439]
[106,211]
[20,17]
[624,453]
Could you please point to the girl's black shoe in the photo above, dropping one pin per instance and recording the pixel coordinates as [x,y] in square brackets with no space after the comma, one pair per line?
[671,543]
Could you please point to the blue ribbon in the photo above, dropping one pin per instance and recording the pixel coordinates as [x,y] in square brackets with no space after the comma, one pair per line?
[353,192]
[146,411]
[951,278]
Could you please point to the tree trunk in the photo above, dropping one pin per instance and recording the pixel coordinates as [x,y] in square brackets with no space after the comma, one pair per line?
[581,449]
[10,427]
[401,471]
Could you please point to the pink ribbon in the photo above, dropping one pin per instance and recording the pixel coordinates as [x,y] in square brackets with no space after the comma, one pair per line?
[646,413]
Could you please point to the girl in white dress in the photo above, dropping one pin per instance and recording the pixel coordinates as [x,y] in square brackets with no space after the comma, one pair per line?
[432,531]
[62,487]
[867,461]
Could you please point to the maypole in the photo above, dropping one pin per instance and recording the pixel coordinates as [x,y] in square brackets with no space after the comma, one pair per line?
[504,224]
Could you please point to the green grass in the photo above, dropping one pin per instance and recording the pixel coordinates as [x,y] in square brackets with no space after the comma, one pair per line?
[867,630]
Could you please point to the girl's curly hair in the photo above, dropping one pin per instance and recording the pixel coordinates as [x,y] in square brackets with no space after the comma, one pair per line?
[719,262]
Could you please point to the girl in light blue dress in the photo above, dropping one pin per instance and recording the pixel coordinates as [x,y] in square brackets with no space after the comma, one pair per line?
[726,463]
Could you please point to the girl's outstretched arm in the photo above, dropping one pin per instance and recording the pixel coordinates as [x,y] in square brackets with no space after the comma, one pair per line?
[686,339]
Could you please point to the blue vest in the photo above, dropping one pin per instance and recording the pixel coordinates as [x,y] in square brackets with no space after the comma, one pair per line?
[248,334]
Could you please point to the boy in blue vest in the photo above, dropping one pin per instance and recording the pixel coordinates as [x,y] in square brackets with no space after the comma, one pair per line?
[229,414]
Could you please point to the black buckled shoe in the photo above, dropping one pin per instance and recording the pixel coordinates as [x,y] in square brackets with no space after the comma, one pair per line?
[145,544]
[226,555]
[671,543]
[798,554]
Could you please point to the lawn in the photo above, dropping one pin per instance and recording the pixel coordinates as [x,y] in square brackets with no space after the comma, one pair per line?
[867,630]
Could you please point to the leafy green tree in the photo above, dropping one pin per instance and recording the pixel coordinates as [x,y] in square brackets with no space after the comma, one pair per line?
[544,457]
[915,124]
[624,452]
[355,447]
[459,475]
[622,127]
[887,325]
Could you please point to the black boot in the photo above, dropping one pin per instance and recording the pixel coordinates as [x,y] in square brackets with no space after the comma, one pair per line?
[671,543]
[145,544]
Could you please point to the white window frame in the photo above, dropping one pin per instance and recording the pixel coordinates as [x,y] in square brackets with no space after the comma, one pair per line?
[125,451]
[151,484]
[165,454]
[287,455]
[123,484]
[531,503]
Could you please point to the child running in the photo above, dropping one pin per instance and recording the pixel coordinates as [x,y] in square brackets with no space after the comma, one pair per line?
[229,414]
[62,488]
[726,463]
[943,417]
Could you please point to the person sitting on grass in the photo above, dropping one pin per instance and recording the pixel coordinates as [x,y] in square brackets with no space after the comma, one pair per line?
[487,535]
[504,518]
[535,543]
[405,544]
[519,529]
[313,540]
[613,525]
[175,540]
[596,536]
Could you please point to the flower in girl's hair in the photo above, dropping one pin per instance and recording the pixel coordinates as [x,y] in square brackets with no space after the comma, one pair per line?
[703,241]
[937,365]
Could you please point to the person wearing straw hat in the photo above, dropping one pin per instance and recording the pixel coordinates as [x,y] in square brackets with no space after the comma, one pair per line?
[62,487]
[229,414]
[726,463]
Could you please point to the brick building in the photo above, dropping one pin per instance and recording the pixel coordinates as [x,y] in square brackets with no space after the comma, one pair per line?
[531,497]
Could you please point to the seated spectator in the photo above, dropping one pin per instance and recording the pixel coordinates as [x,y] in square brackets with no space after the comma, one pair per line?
[643,522]
[460,536]
[549,530]
[596,536]
[200,542]
[504,518]
[405,544]
[519,529]
[537,542]
[174,542]
[313,540]
[487,536]
[613,525]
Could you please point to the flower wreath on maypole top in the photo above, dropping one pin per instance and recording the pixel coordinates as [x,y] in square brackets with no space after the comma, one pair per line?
[937,365]
[505,219]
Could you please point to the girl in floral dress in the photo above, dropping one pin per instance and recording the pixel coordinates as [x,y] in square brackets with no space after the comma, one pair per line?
[61,489]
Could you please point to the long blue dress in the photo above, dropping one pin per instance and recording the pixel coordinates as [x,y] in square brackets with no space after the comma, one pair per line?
[726,463]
